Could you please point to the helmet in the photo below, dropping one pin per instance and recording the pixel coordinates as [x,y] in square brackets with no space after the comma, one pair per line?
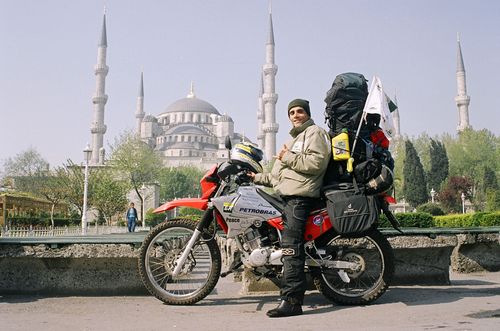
[248,155]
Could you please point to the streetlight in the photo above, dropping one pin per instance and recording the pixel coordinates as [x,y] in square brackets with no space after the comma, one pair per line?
[433,194]
[87,153]
[463,202]
[143,191]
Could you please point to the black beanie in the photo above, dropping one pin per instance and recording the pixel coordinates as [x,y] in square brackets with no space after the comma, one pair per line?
[300,103]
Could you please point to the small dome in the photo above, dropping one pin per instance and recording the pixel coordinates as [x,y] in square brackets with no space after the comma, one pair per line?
[149,118]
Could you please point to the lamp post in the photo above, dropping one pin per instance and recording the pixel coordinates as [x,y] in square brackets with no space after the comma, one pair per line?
[87,153]
[143,191]
[433,194]
[463,202]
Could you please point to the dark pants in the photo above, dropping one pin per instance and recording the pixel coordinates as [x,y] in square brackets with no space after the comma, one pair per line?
[293,283]
[131,224]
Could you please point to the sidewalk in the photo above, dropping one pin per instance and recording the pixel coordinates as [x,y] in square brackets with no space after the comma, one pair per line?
[472,302]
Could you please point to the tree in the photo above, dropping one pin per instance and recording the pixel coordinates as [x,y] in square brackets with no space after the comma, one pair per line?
[136,161]
[28,165]
[47,185]
[398,152]
[438,165]
[72,178]
[422,145]
[179,182]
[109,194]
[451,196]
[470,153]
[414,184]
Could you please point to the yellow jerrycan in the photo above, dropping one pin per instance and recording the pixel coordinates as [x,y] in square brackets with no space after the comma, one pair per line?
[340,146]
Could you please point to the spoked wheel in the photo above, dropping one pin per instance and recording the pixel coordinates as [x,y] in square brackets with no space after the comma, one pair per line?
[366,278]
[158,257]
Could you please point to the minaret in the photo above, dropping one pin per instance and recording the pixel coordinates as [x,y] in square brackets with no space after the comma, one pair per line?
[139,112]
[270,127]
[462,99]
[260,116]
[395,120]
[98,128]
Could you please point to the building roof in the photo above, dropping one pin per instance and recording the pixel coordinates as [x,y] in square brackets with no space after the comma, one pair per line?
[191,104]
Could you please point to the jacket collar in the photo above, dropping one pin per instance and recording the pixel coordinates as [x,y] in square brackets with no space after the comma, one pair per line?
[295,131]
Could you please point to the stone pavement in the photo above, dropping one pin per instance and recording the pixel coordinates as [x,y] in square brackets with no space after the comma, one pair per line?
[472,302]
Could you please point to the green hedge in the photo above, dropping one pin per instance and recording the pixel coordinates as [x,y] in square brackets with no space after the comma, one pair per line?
[468,220]
[425,220]
[409,220]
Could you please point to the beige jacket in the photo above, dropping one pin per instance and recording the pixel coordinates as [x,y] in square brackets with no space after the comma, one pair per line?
[302,168]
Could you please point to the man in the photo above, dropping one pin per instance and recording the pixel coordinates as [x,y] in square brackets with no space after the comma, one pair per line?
[297,176]
[131,218]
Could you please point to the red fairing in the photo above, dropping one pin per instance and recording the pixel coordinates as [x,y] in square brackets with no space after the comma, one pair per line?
[222,223]
[208,186]
[196,203]
[317,223]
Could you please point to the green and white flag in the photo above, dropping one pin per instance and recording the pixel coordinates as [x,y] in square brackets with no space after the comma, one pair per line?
[378,102]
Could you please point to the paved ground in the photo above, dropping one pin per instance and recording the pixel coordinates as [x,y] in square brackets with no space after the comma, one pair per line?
[472,302]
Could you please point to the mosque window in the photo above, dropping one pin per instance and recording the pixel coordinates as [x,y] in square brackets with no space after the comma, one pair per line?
[195,139]
[189,139]
[180,153]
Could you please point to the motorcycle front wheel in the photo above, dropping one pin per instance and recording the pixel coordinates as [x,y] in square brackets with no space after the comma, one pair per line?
[374,258]
[158,255]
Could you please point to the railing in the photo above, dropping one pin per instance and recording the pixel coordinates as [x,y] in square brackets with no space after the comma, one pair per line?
[59,231]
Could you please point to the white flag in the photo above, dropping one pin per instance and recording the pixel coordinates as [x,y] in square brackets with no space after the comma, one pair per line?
[377,103]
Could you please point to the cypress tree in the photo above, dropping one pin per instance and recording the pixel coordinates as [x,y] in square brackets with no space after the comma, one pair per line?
[438,165]
[414,185]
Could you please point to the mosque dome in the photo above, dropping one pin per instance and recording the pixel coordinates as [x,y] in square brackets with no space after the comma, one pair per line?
[191,104]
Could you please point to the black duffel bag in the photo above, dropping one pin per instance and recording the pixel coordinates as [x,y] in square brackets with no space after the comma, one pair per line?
[351,211]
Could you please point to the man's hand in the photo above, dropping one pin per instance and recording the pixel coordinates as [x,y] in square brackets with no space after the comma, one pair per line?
[281,153]
[251,175]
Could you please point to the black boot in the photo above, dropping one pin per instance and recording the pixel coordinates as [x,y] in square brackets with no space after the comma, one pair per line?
[285,309]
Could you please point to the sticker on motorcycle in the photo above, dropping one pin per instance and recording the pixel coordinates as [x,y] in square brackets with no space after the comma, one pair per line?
[318,220]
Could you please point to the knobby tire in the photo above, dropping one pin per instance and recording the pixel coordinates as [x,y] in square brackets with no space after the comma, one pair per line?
[161,252]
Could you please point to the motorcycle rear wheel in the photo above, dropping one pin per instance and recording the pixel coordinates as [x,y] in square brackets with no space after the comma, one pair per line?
[375,259]
[158,254]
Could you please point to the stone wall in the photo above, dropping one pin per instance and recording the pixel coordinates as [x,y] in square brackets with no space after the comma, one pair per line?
[111,269]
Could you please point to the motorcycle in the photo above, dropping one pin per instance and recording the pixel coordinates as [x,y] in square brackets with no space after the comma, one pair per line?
[180,260]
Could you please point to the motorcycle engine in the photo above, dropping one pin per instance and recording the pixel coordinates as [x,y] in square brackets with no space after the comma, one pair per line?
[257,246]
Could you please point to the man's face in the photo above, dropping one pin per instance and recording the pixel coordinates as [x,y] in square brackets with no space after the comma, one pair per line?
[297,116]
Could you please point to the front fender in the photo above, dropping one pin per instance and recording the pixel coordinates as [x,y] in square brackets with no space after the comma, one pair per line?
[196,203]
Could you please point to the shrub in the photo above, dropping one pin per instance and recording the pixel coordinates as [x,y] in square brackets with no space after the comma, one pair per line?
[468,220]
[154,219]
[418,220]
[431,208]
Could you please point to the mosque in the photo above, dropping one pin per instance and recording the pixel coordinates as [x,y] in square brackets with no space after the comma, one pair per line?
[191,131]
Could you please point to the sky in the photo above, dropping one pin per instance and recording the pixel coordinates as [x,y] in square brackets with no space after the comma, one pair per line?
[49,49]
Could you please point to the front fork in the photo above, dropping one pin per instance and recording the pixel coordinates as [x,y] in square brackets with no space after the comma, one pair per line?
[203,224]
